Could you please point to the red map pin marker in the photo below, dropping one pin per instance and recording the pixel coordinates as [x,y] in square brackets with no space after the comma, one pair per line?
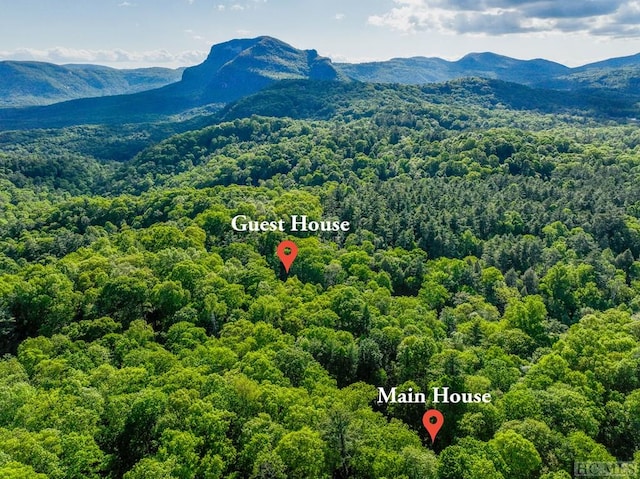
[432,427]
[287,259]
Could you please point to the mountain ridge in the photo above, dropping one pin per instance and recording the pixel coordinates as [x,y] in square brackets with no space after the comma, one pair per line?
[241,67]
[32,83]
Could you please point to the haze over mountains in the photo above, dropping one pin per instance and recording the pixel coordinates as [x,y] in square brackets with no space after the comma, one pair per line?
[238,68]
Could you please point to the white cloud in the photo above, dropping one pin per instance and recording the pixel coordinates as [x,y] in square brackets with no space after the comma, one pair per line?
[193,35]
[340,16]
[125,4]
[500,17]
[116,57]
[239,6]
[338,57]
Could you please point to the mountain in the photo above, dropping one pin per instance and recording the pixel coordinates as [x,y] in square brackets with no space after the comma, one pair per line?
[238,68]
[232,70]
[620,74]
[619,62]
[607,87]
[418,70]
[525,72]
[408,71]
[622,81]
[39,83]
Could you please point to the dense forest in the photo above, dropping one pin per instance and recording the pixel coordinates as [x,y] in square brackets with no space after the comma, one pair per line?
[494,248]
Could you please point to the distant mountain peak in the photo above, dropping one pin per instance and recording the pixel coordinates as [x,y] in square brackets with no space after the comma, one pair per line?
[490,60]
[241,66]
[484,56]
[246,47]
[237,45]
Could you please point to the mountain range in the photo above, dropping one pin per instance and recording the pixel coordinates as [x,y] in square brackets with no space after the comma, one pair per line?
[39,83]
[536,73]
[238,68]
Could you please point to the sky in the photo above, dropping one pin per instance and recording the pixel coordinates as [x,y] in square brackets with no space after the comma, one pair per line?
[172,33]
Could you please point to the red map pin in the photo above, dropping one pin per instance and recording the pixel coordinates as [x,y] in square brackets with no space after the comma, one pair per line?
[287,259]
[432,427]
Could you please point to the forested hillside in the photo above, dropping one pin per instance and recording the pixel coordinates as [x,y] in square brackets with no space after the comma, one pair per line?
[493,248]
[39,83]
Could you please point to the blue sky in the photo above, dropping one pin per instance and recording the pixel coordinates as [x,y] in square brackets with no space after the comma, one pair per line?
[130,33]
